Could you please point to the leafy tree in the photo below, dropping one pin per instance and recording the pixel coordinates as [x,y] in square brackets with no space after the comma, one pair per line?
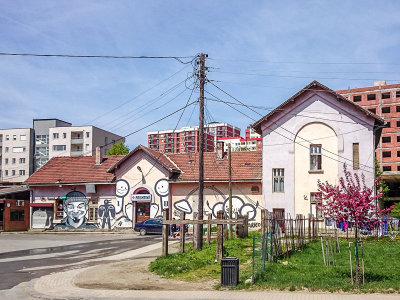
[396,210]
[381,186]
[118,149]
[351,201]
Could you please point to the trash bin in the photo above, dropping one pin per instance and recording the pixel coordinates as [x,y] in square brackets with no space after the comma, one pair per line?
[229,271]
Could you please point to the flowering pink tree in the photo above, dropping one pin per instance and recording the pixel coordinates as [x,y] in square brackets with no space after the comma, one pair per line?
[351,201]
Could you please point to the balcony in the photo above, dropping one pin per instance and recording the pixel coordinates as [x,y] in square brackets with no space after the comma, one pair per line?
[76,140]
[76,152]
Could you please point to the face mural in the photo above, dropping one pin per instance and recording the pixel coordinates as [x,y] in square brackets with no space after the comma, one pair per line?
[75,209]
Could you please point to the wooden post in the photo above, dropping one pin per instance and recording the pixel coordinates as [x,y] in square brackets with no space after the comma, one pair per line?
[230,189]
[246,225]
[182,235]
[194,229]
[209,229]
[226,234]
[165,233]
[263,226]
[198,228]
[220,240]
[323,254]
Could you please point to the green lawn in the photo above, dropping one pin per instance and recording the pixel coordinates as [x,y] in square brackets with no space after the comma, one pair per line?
[303,270]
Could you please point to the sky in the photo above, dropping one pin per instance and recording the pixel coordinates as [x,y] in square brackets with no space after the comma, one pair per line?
[260,52]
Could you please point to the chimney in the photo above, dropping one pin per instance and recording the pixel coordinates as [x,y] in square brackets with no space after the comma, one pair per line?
[220,150]
[99,155]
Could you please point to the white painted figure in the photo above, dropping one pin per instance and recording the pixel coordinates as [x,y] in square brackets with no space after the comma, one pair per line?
[162,190]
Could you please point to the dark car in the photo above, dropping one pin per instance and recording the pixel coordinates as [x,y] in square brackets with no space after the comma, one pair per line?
[153,226]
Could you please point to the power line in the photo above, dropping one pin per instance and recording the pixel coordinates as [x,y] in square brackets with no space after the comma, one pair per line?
[305,116]
[138,95]
[124,123]
[305,62]
[128,115]
[178,58]
[283,129]
[301,77]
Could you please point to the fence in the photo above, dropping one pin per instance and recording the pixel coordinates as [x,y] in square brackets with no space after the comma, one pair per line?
[241,223]
[281,237]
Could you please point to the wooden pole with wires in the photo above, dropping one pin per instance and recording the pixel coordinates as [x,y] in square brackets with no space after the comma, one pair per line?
[198,232]
[230,189]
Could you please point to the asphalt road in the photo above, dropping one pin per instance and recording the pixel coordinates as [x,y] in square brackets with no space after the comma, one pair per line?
[24,257]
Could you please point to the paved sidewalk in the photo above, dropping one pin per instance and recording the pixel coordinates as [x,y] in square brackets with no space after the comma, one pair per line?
[61,286]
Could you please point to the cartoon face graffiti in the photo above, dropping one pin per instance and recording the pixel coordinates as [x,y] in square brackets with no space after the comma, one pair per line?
[75,207]
[161,187]
[121,188]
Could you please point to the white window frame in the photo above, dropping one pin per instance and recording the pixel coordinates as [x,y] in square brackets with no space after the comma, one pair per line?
[278,180]
[315,157]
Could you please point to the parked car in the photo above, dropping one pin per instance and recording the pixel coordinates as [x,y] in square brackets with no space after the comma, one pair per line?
[153,226]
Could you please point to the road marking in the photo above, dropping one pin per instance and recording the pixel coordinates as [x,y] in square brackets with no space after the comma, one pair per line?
[121,256]
[38,256]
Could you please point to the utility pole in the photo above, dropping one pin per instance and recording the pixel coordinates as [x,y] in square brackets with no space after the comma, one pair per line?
[198,228]
[230,190]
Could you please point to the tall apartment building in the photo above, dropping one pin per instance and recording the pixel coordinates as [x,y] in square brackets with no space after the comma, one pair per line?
[186,139]
[16,154]
[183,140]
[79,140]
[384,100]
[220,130]
[42,128]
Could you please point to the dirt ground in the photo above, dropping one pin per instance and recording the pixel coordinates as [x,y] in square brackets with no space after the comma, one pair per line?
[133,274]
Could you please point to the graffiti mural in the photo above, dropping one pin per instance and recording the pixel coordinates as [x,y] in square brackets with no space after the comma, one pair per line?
[124,212]
[75,209]
[162,190]
[221,203]
[42,217]
[106,212]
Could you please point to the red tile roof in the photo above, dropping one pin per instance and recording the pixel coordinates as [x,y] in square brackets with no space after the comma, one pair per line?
[79,169]
[246,165]
[158,156]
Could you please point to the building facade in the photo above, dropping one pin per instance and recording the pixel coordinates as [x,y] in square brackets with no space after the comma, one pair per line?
[42,128]
[384,100]
[79,140]
[251,133]
[240,144]
[221,130]
[76,193]
[184,140]
[16,154]
[301,148]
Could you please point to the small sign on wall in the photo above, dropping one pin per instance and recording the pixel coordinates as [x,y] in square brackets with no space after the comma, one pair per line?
[141,197]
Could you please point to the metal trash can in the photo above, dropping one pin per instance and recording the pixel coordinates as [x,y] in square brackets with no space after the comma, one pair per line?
[229,271]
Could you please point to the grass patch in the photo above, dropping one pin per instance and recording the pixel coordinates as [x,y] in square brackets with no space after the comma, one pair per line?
[200,265]
[303,270]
